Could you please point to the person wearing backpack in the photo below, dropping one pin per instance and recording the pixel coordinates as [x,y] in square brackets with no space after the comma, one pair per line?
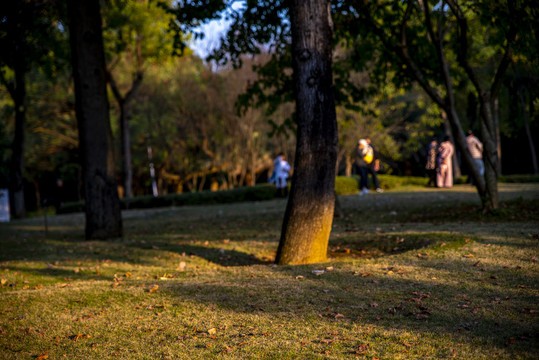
[367,162]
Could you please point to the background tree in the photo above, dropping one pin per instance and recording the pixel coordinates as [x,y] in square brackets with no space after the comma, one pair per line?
[27,35]
[136,36]
[103,216]
[424,42]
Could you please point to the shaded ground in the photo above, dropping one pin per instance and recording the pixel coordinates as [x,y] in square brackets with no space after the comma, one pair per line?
[413,274]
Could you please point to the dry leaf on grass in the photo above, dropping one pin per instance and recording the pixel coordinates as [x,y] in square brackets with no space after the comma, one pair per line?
[77,337]
[362,349]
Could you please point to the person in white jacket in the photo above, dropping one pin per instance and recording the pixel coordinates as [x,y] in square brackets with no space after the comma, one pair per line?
[280,173]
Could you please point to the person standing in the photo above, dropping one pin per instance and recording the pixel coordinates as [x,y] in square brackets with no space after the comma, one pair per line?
[444,177]
[367,162]
[432,153]
[476,150]
[281,167]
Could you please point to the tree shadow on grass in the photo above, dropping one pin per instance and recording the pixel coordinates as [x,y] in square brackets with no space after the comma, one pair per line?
[464,313]
[219,256]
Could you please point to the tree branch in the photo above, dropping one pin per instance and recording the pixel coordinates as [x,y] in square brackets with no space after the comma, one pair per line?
[506,59]
[134,87]
[403,50]
[114,87]
[437,41]
[463,50]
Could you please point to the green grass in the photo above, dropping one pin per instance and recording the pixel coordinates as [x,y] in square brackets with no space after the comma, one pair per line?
[413,273]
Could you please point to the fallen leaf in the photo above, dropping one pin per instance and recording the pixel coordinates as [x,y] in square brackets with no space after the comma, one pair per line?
[41,356]
[77,337]
[212,331]
[362,349]
[300,277]
[339,316]
[468,256]
[153,288]
[3,281]
[226,350]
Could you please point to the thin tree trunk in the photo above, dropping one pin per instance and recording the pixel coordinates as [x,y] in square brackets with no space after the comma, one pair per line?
[496,114]
[490,155]
[526,120]
[18,208]
[103,214]
[127,170]
[309,213]
[124,105]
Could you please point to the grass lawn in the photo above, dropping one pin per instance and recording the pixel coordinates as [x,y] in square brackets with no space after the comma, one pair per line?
[414,273]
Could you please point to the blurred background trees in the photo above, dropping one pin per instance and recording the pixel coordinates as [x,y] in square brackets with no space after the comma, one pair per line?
[199,117]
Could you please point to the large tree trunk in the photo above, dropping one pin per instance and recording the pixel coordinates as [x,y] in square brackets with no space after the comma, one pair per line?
[309,212]
[103,214]
[18,208]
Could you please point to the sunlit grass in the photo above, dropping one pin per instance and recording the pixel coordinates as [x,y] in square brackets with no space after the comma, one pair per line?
[403,281]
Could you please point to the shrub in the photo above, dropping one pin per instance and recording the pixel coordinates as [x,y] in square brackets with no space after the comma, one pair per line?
[248,193]
[522,178]
[345,185]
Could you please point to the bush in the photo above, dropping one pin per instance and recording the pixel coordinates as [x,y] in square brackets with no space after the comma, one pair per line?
[249,193]
[71,207]
[523,178]
[345,185]
[391,181]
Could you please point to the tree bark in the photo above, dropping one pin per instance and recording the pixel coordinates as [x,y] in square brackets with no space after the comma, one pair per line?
[309,213]
[496,113]
[103,214]
[526,119]
[18,93]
